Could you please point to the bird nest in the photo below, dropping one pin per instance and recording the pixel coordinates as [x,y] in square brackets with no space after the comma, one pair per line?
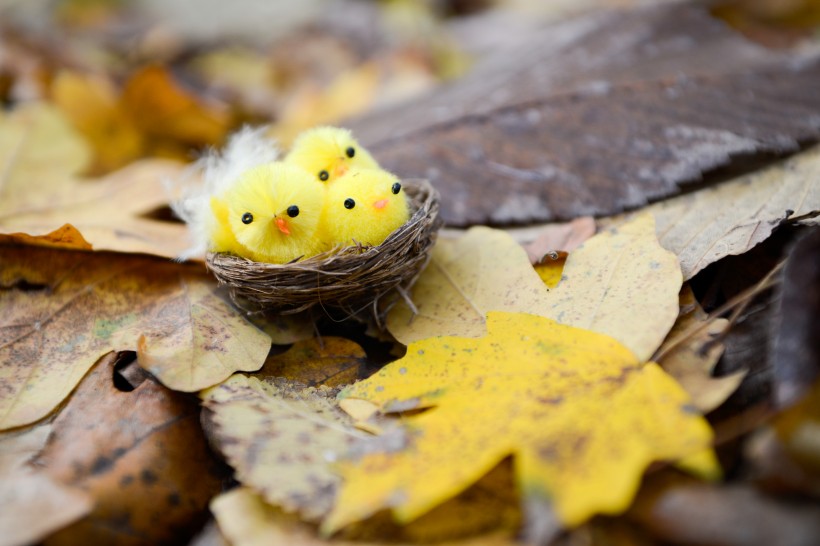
[346,281]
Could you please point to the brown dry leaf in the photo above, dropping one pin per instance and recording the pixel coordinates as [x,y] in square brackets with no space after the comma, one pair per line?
[598,114]
[91,104]
[111,213]
[32,506]
[81,305]
[329,361]
[620,283]
[246,520]
[281,438]
[690,356]
[680,510]
[560,237]
[485,270]
[66,237]
[795,352]
[171,118]
[149,471]
[707,225]
[152,115]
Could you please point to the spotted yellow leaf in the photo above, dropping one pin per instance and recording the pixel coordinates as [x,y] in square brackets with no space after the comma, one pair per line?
[580,414]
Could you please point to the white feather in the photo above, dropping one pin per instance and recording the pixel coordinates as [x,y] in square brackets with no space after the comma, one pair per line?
[213,175]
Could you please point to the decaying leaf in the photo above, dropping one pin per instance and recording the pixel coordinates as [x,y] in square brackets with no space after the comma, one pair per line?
[712,223]
[281,438]
[620,283]
[63,237]
[682,511]
[113,213]
[246,520]
[485,270]
[83,305]
[690,353]
[564,237]
[568,404]
[330,361]
[598,114]
[149,471]
[796,345]
[32,505]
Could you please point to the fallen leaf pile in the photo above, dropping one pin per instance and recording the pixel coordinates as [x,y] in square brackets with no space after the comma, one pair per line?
[643,372]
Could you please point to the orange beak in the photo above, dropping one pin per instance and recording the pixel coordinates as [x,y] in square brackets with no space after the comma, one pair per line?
[341,169]
[282,224]
[380,204]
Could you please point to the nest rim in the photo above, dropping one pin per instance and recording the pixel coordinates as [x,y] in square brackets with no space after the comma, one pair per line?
[345,280]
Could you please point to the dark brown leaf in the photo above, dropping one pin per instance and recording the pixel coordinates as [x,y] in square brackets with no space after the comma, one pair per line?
[597,115]
[149,471]
[796,345]
[682,511]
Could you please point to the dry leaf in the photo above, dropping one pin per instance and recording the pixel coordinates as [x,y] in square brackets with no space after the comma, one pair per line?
[701,227]
[598,114]
[86,304]
[113,213]
[796,346]
[91,104]
[620,283]
[690,356]
[685,512]
[149,471]
[32,506]
[66,237]
[560,237]
[171,118]
[485,270]
[280,439]
[568,404]
[330,361]
[246,520]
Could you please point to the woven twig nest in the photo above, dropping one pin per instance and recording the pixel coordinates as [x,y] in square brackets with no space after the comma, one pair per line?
[350,280]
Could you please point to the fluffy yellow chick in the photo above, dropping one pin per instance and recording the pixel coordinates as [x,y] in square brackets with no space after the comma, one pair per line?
[328,153]
[364,205]
[273,212]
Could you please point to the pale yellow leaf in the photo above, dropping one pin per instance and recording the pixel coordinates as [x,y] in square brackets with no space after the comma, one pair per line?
[485,270]
[620,283]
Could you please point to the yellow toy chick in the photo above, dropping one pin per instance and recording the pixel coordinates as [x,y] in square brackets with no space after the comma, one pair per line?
[273,214]
[365,206]
[328,153]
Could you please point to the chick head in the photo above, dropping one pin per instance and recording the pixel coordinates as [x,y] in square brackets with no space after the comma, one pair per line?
[328,152]
[274,212]
[364,205]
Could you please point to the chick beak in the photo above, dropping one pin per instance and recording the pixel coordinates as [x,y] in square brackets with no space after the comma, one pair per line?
[341,169]
[380,204]
[282,224]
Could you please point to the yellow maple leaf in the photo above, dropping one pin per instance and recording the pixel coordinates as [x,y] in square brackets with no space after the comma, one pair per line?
[582,416]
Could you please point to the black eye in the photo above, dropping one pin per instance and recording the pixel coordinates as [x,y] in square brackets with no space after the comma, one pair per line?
[247,218]
[293,211]
[351,151]
[349,203]
[396,188]
[323,176]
